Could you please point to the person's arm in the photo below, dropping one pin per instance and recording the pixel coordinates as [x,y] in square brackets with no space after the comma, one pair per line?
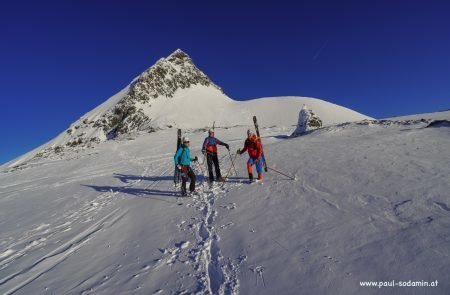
[219,142]
[244,149]
[189,155]
[204,145]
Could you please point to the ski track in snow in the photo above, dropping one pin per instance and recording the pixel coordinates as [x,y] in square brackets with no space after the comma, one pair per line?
[214,273]
[52,259]
[13,249]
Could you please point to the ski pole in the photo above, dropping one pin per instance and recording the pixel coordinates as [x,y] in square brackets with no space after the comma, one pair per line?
[203,176]
[232,162]
[203,158]
[229,169]
[292,178]
[228,172]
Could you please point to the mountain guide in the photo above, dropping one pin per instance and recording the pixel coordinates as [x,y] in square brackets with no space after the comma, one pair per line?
[255,153]
[183,161]
[210,150]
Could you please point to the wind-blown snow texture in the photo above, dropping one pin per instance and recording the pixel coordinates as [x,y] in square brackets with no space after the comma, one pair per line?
[370,203]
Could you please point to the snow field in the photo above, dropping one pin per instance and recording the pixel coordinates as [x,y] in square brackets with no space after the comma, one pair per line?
[370,203]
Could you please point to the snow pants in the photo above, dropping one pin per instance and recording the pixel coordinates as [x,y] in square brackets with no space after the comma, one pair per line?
[257,163]
[211,158]
[187,172]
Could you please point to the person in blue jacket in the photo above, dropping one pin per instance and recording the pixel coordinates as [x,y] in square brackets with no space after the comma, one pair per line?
[210,150]
[183,161]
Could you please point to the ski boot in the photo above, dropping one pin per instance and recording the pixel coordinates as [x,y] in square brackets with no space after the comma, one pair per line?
[250,177]
[220,179]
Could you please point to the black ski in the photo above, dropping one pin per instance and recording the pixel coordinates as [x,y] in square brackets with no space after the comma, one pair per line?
[259,137]
[176,174]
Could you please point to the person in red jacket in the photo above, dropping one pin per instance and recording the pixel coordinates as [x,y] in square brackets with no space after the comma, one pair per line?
[255,152]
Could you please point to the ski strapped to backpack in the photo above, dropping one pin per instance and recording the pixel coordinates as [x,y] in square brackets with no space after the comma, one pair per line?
[259,138]
[177,174]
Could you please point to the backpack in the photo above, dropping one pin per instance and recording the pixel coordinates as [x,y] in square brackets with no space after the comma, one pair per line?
[181,155]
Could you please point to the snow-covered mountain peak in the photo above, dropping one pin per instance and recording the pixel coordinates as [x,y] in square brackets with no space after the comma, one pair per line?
[168,75]
[174,92]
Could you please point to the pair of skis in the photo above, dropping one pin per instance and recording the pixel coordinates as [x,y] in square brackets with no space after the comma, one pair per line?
[259,138]
[177,173]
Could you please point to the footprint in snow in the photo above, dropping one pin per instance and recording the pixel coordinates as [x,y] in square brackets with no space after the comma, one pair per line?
[229,206]
[227,225]
[182,244]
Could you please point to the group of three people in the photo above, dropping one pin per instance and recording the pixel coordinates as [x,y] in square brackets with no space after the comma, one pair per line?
[209,149]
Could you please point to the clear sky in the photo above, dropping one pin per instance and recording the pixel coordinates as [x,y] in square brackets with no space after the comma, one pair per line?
[59,59]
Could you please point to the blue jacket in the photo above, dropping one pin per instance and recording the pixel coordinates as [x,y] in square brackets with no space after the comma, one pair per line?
[183,156]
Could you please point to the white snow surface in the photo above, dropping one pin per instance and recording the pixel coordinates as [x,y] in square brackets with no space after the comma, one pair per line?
[370,203]
[199,106]
[444,115]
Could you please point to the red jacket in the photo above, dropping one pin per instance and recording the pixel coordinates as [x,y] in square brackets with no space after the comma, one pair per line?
[253,146]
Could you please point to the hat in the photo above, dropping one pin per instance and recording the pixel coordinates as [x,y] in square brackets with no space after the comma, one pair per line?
[185,139]
[249,132]
[210,131]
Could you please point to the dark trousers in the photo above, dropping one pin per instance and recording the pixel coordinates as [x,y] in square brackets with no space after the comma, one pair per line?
[187,172]
[210,159]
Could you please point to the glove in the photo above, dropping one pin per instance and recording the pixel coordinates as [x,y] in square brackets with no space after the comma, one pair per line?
[179,167]
[195,159]
[239,151]
[227,146]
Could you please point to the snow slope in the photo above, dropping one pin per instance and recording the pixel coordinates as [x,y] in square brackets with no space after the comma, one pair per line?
[201,106]
[433,116]
[371,203]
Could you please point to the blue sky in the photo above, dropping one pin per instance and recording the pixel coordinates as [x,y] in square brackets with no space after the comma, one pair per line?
[60,59]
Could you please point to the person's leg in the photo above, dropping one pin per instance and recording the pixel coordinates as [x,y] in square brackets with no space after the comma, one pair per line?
[216,165]
[259,168]
[210,170]
[264,164]
[183,181]
[249,168]
[191,175]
